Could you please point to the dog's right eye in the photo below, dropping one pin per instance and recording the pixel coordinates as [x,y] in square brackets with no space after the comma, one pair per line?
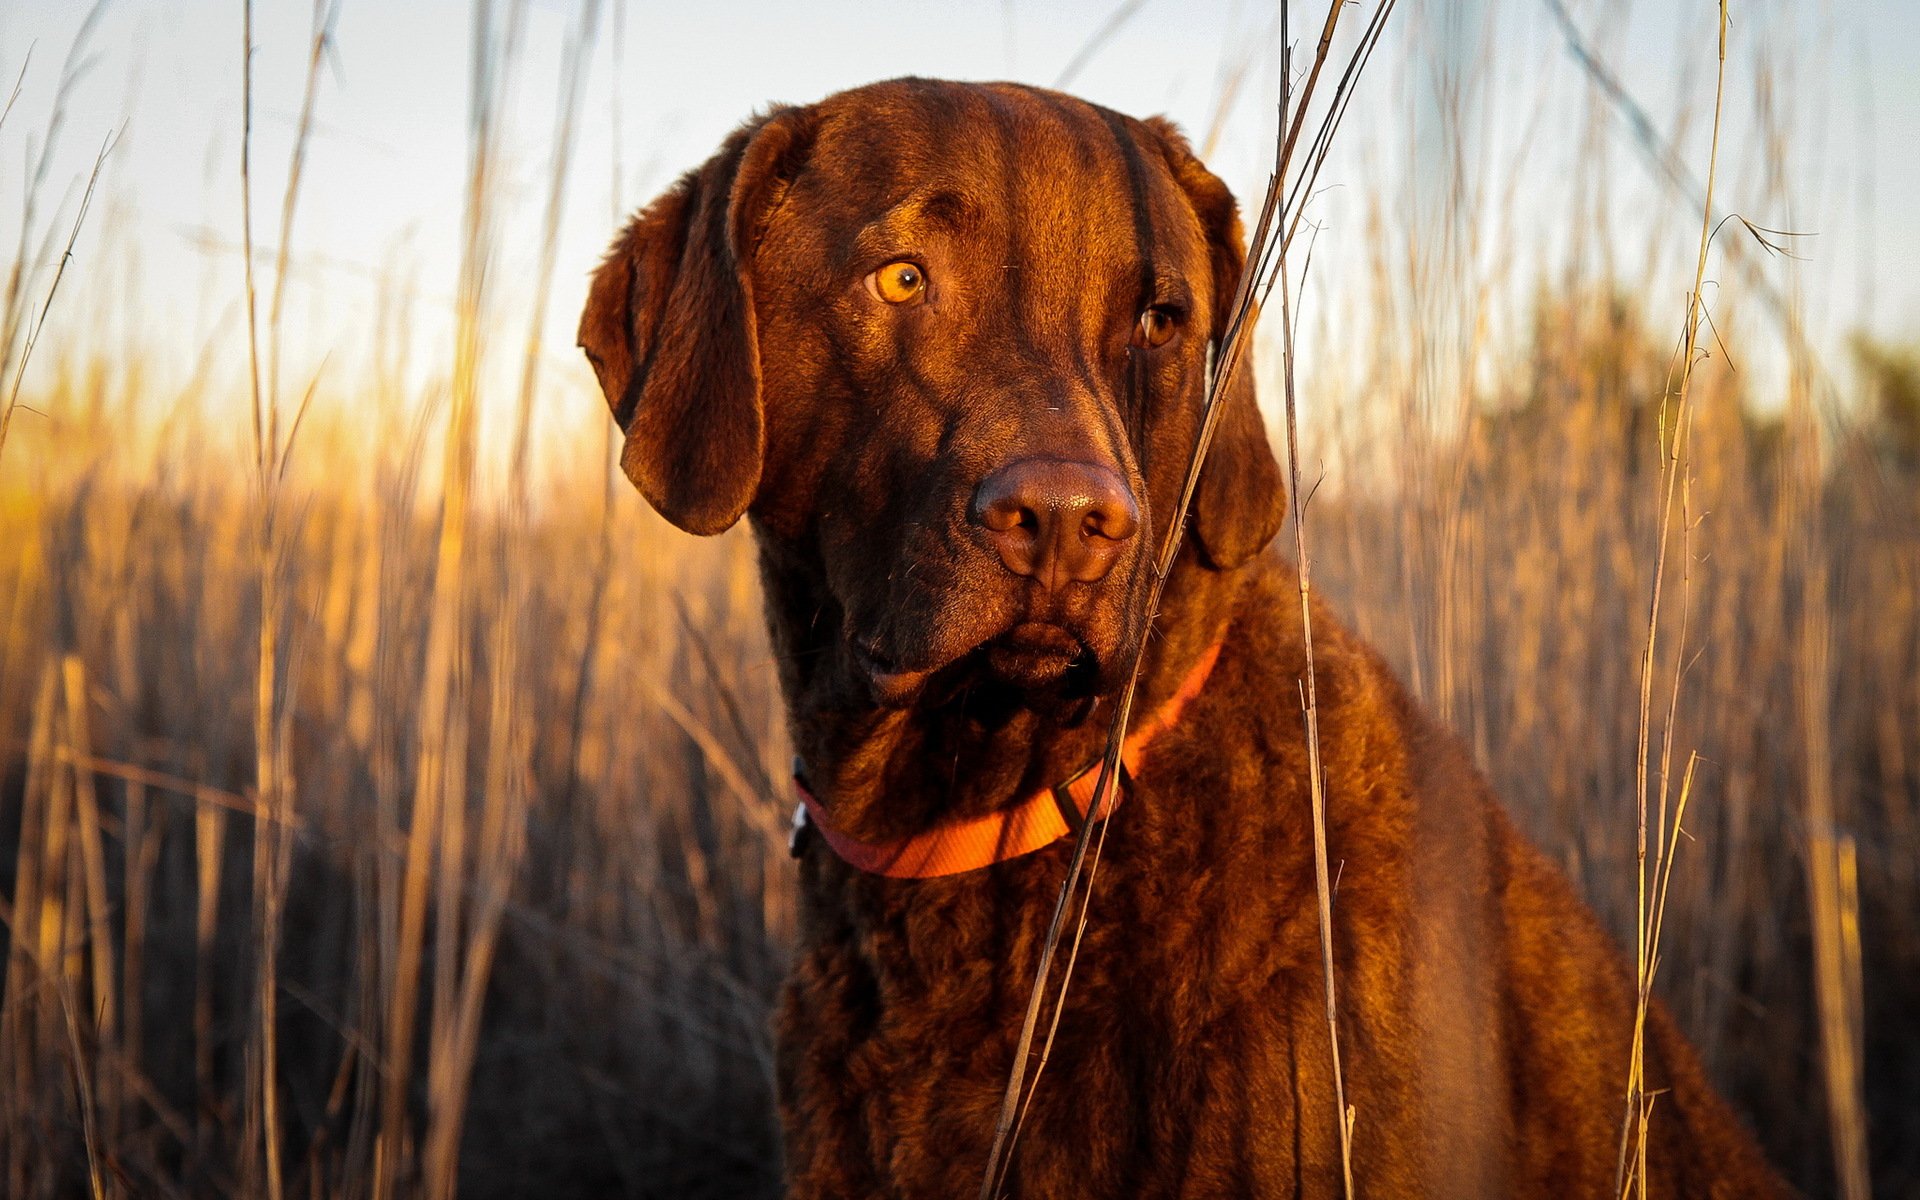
[898,283]
[1155,327]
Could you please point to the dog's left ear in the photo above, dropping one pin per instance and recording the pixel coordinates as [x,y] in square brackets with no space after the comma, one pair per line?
[669,328]
[1241,499]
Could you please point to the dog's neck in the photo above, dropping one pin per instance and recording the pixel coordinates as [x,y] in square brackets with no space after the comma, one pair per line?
[895,772]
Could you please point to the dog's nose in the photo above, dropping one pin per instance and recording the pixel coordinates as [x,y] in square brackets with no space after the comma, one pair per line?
[1057,521]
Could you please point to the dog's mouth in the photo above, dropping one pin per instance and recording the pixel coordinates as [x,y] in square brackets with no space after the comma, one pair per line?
[1035,656]
[1045,663]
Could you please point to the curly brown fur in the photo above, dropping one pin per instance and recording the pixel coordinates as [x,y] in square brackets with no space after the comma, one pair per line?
[1486,1016]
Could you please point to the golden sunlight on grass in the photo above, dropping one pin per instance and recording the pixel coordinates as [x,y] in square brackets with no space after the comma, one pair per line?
[381,814]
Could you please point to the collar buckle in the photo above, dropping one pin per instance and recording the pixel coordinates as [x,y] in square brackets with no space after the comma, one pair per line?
[800,821]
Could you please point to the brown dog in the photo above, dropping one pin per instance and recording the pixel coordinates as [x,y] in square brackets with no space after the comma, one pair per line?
[943,344]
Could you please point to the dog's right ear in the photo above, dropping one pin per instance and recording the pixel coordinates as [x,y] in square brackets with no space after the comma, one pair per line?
[669,328]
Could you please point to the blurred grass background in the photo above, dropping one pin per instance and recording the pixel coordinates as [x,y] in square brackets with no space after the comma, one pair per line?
[390,803]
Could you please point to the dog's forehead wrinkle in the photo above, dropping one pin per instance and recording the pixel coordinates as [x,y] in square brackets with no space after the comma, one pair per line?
[940,207]
[1044,156]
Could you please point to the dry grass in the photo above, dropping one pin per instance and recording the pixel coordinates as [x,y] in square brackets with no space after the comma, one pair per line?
[505,816]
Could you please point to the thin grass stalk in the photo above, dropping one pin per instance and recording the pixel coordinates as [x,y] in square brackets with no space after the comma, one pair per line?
[1122,13]
[1662,862]
[80,1073]
[1664,156]
[93,864]
[1847,858]
[209,843]
[449,1067]
[53,289]
[566,121]
[449,903]
[1233,78]
[12,307]
[501,845]
[1665,884]
[702,645]
[617,177]
[1015,1101]
[1310,705]
[1833,898]
[1343,94]
[272,842]
[441,709]
[19,1052]
[260,1122]
[1832,892]
[1672,467]
[1833,906]
[326,14]
[1665,847]
[19,81]
[387,871]
[59,932]
[144,832]
[1256,279]
[246,237]
[50,1050]
[503,819]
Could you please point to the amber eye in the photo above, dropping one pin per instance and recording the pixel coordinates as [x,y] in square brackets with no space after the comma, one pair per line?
[1155,327]
[898,282]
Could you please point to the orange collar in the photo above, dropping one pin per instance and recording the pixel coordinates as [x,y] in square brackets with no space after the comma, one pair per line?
[1038,821]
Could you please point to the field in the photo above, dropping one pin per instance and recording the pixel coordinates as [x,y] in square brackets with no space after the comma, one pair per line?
[390,803]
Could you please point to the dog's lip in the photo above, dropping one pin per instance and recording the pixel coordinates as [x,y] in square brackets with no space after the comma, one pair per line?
[1035,654]
[1032,656]
[1040,638]
[892,685]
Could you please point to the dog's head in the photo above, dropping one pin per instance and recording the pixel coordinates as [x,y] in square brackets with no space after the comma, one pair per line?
[949,340]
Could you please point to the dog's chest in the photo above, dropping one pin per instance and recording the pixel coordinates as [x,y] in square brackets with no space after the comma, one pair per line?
[1181,1065]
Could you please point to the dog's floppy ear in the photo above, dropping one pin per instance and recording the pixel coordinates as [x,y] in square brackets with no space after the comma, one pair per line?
[1241,499]
[669,328]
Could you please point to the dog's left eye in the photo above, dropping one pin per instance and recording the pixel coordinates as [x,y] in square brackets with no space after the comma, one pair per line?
[1155,327]
[898,282]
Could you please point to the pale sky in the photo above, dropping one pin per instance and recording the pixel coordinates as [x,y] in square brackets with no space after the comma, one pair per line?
[382,197]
